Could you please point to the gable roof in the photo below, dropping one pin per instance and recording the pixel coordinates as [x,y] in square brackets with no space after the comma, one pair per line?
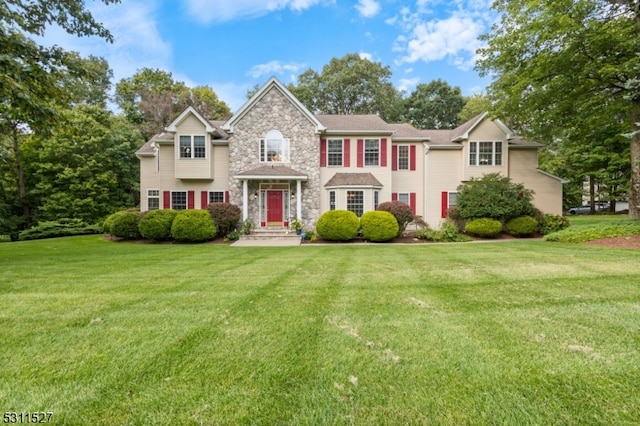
[173,127]
[354,124]
[353,179]
[273,83]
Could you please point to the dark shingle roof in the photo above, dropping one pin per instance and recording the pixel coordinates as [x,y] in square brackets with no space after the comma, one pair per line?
[353,179]
[272,171]
[352,123]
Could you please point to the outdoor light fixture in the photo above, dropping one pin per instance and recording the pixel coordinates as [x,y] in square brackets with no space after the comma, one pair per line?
[293,195]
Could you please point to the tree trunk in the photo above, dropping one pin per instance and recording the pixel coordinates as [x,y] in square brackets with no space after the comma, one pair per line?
[22,191]
[634,192]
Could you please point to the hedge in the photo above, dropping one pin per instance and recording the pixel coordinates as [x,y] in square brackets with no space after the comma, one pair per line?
[338,225]
[193,226]
[379,226]
[523,226]
[485,227]
[156,224]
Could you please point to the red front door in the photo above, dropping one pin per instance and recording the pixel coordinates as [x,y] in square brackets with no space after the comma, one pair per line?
[274,207]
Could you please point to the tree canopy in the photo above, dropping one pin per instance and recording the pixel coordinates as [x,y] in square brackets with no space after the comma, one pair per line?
[435,105]
[568,67]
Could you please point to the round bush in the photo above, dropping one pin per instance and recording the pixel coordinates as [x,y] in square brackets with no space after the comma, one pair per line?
[485,227]
[156,224]
[125,225]
[106,225]
[338,225]
[551,223]
[226,216]
[401,211]
[379,226]
[523,226]
[193,226]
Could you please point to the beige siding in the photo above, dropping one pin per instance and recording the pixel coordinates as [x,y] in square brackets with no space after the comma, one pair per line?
[192,168]
[443,170]
[548,190]
[487,131]
[412,180]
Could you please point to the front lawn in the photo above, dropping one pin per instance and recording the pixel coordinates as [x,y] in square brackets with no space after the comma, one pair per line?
[524,332]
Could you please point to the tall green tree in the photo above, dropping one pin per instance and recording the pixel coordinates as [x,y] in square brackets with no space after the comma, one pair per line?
[435,105]
[562,64]
[31,74]
[87,168]
[474,105]
[350,85]
[151,99]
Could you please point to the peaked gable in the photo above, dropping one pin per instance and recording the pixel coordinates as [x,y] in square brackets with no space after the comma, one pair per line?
[273,83]
[173,127]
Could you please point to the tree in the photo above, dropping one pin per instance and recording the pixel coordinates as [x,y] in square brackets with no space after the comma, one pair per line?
[151,99]
[30,81]
[434,106]
[349,85]
[474,105]
[563,64]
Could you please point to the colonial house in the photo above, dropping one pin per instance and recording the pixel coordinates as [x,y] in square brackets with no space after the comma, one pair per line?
[278,162]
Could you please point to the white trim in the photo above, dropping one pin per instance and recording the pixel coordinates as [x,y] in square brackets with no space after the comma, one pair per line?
[552,176]
[190,110]
[341,152]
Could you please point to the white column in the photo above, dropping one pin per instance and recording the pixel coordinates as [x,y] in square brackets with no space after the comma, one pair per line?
[299,200]
[245,200]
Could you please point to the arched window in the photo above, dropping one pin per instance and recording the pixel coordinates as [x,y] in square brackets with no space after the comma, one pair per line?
[274,148]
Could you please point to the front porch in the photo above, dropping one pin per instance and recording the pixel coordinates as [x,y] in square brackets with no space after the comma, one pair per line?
[269,236]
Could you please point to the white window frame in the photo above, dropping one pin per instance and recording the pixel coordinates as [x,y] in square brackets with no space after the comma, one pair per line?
[367,161]
[153,194]
[175,205]
[335,153]
[376,199]
[189,152]
[332,200]
[213,194]
[486,153]
[404,197]
[283,147]
[452,195]
[401,166]
[350,204]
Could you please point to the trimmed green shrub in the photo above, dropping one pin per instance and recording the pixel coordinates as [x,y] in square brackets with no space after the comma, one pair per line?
[378,226]
[448,233]
[156,224]
[106,225]
[401,211]
[494,196]
[485,227]
[193,226]
[125,225]
[523,226]
[226,216]
[338,225]
[59,228]
[552,223]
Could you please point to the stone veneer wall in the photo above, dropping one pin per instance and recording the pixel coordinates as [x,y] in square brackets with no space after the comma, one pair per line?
[275,112]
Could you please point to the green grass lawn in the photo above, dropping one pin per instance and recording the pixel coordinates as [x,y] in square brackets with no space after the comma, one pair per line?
[524,332]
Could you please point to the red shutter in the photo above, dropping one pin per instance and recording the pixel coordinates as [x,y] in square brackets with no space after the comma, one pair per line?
[445,204]
[346,153]
[394,196]
[204,199]
[323,153]
[394,157]
[412,158]
[360,153]
[166,199]
[191,199]
[412,202]
[383,152]
[226,196]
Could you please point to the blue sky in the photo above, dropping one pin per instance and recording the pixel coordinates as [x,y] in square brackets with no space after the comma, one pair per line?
[231,45]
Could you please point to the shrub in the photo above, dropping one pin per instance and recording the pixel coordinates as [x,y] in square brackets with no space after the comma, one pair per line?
[494,196]
[125,225]
[485,227]
[338,225]
[379,226]
[226,216]
[156,224]
[401,211]
[106,225]
[448,233]
[595,232]
[59,228]
[193,226]
[552,223]
[523,226]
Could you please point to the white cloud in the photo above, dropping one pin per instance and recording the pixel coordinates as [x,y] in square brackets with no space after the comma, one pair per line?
[206,11]
[367,56]
[275,67]
[368,8]
[407,84]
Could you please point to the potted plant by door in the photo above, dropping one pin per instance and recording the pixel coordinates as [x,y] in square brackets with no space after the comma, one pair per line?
[297,226]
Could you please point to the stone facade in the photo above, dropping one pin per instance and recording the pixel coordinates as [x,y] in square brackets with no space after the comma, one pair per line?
[274,111]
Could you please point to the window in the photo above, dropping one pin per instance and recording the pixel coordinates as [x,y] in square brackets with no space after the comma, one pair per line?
[453,199]
[274,148]
[404,197]
[334,152]
[216,196]
[153,199]
[192,146]
[485,153]
[376,199]
[355,202]
[179,200]
[403,157]
[332,200]
[371,152]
